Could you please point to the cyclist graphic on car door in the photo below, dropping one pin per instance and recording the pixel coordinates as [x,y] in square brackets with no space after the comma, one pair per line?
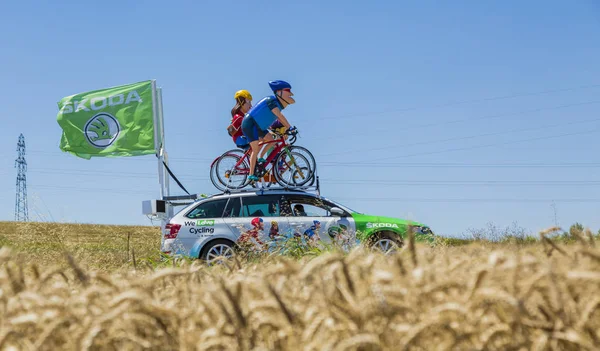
[250,240]
[307,211]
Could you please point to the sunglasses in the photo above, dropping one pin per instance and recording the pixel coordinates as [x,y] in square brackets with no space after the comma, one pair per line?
[287,89]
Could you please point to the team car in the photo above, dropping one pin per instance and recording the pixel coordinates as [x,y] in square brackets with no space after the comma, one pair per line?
[215,226]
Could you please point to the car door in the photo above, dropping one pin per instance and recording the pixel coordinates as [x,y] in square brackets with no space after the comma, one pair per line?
[240,213]
[203,222]
[312,215]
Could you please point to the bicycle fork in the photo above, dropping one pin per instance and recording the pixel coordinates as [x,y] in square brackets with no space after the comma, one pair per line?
[294,163]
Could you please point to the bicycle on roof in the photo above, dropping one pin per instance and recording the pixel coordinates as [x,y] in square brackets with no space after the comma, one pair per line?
[286,164]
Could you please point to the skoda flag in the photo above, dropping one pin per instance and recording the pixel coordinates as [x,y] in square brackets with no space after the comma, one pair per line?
[111,122]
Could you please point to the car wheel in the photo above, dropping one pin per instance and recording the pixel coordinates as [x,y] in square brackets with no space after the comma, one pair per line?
[386,242]
[215,249]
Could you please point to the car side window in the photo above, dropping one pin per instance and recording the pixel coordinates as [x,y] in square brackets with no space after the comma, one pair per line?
[233,208]
[208,209]
[260,206]
[307,206]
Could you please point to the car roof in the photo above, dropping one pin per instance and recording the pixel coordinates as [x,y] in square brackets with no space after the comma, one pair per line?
[258,192]
[245,193]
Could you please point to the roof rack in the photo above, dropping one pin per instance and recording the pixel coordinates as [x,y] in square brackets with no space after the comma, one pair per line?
[180,197]
[181,200]
[262,190]
[173,200]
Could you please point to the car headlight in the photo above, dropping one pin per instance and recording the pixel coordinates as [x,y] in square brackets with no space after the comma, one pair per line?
[423,230]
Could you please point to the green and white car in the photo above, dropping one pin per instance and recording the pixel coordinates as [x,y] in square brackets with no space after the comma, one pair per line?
[212,226]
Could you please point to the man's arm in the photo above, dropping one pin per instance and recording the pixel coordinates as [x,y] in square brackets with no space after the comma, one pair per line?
[277,112]
[256,237]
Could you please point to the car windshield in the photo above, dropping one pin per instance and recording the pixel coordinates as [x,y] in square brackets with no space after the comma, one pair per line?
[346,208]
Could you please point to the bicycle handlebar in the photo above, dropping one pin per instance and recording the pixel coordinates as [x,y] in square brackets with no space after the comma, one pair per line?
[292,135]
[292,139]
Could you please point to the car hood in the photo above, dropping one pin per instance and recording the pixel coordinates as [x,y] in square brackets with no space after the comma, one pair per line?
[366,218]
[367,225]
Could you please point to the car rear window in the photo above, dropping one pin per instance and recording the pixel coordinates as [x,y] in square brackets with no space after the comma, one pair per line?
[208,209]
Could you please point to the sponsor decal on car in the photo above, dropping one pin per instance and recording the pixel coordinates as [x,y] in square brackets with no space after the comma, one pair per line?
[200,223]
[202,230]
[381,225]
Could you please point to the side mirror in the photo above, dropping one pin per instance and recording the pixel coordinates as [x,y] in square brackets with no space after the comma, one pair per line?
[336,211]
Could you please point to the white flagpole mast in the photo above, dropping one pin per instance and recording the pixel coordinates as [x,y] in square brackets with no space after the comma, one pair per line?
[165,155]
[152,206]
[162,141]
[157,141]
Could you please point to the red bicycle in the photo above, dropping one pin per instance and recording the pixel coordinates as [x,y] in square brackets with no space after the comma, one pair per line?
[286,164]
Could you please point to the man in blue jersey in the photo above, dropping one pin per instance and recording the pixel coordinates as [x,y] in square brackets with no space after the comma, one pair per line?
[312,233]
[262,115]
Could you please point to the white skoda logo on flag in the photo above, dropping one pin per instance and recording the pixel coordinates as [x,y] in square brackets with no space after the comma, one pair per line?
[102,130]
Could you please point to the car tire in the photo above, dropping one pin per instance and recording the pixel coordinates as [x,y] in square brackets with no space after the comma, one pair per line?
[215,248]
[386,242]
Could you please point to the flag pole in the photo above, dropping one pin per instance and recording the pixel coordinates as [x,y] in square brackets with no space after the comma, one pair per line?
[162,141]
[157,141]
[165,155]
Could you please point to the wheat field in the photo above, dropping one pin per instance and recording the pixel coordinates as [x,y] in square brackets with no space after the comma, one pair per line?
[481,296]
[105,247]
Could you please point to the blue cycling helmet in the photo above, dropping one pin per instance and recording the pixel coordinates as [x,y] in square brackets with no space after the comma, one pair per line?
[279,84]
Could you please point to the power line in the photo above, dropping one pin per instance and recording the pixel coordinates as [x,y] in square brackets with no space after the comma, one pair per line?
[404,165]
[429,142]
[142,158]
[107,174]
[461,165]
[385,199]
[370,164]
[344,181]
[487,183]
[472,200]
[486,145]
[195,160]
[91,190]
[472,119]
[399,164]
[93,173]
[391,164]
[461,102]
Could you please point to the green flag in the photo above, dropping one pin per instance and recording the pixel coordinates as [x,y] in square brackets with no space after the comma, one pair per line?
[112,122]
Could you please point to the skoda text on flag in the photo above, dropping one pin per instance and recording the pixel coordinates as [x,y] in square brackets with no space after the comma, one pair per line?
[112,122]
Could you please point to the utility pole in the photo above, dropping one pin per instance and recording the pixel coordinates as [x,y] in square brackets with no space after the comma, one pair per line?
[553,205]
[21,213]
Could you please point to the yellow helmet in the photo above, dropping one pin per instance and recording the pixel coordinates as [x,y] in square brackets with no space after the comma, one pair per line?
[243,93]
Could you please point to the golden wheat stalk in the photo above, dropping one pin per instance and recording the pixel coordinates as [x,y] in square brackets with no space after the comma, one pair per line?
[489,296]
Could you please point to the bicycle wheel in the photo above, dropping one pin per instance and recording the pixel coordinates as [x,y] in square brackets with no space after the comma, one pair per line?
[213,168]
[292,169]
[304,151]
[230,175]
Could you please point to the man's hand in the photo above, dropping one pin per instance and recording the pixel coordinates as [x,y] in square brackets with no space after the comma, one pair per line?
[277,112]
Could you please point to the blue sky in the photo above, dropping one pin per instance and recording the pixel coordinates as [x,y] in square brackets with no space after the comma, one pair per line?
[455,114]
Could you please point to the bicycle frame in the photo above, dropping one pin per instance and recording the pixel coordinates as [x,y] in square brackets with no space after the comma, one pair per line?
[232,152]
[281,144]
